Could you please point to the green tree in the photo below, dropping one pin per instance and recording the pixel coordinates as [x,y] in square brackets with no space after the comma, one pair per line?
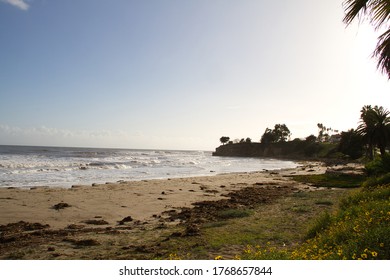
[280,133]
[311,138]
[351,144]
[268,136]
[364,129]
[224,139]
[324,132]
[378,13]
[321,130]
[375,128]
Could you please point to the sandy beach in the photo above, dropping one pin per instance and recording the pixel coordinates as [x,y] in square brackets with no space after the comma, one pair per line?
[141,200]
[47,217]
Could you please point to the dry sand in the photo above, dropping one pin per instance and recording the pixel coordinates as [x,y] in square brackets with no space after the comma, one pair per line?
[141,200]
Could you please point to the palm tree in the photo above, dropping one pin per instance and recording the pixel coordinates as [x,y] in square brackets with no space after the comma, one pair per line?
[378,12]
[375,128]
[365,129]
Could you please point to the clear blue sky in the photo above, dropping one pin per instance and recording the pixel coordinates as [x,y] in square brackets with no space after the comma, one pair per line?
[178,74]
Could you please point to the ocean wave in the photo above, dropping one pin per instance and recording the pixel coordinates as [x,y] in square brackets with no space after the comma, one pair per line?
[67,166]
[108,165]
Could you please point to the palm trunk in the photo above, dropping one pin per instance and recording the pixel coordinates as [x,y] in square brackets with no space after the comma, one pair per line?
[370,151]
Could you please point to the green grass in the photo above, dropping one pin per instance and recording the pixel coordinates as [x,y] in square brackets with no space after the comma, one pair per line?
[216,224]
[332,180]
[360,229]
[377,180]
[320,224]
[301,209]
[324,202]
[282,223]
[234,213]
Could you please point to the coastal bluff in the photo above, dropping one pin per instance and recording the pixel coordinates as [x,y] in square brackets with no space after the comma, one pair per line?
[296,149]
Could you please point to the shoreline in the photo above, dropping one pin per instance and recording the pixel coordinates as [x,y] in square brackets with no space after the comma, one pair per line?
[86,170]
[89,183]
[142,200]
[136,212]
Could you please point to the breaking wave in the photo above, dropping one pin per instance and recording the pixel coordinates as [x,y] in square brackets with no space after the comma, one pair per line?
[62,167]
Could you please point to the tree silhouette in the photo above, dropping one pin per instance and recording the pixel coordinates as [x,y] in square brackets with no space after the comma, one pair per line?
[224,139]
[280,133]
[268,136]
[311,138]
[375,128]
[351,144]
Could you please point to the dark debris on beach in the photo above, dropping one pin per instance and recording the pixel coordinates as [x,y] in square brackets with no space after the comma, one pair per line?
[207,211]
[15,237]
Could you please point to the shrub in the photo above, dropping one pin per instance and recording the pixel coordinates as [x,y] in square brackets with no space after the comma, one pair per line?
[321,223]
[374,181]
[311,149]
[266,252]
[351,144]
[378,166]
[332,180]
[359,230]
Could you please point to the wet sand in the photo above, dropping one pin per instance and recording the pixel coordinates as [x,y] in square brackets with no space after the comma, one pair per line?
[134,220]
[140,200]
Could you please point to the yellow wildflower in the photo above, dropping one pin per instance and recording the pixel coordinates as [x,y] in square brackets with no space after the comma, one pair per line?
[374,254]
[218,258]
[248,250]
[364,256]
[174,256]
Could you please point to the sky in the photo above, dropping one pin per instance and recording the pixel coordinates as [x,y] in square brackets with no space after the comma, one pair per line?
[178,74]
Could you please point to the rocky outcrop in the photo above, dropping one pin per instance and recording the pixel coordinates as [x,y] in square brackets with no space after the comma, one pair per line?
[277,150]
[289,150]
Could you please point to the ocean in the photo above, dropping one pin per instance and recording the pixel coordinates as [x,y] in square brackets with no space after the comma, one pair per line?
[25,166]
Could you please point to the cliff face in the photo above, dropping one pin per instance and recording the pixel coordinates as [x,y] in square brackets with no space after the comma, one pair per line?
[250,150]
[292,149]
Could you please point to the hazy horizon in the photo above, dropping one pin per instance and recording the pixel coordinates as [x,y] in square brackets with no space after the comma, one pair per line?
[178,75]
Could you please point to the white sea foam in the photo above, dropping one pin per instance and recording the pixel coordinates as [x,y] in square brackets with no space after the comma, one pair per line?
[48,166]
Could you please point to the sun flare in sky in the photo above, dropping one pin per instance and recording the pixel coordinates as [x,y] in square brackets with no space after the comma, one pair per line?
[180,74]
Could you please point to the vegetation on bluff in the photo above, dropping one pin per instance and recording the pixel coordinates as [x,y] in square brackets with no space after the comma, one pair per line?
[372,133]
[358,229]
[280,133]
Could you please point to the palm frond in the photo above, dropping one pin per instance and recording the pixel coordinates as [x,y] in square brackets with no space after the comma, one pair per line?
[353,9]
[379,12]
[382,52]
